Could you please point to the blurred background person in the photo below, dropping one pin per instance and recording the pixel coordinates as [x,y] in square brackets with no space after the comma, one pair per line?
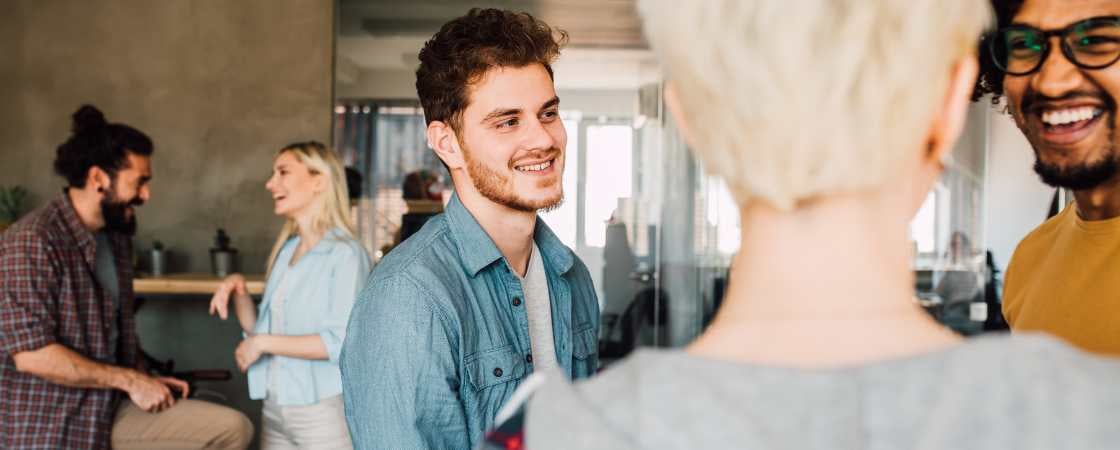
[959,288]
[423,194]
[315,271]
[70,351]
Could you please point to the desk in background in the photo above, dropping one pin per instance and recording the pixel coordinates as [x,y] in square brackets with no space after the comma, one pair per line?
[190,284]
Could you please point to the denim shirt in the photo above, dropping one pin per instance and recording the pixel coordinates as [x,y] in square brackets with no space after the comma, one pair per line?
[439,338]
[320,293]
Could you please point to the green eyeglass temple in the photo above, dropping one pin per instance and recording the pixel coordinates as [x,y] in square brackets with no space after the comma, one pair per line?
[1092,43]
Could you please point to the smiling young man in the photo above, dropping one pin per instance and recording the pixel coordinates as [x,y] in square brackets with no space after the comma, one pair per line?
[1054,62]
[459,314]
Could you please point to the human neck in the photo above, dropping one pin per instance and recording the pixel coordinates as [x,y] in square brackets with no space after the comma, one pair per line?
[828,284]
[309,235]
[510,229]
[88,207]
[1101,202]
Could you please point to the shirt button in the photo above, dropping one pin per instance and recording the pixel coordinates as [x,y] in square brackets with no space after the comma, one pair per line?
[517,301]
[498,372]
[529,358]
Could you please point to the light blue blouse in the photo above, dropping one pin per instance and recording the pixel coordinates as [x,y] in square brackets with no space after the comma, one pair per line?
[320,292]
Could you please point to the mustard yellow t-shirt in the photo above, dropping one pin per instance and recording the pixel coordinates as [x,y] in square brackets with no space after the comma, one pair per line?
[1064,279]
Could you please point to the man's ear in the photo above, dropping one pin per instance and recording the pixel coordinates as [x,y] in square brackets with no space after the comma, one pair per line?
[949,121]
[99,180]
[442,139]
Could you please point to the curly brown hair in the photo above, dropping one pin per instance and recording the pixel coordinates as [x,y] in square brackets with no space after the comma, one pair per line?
[990,80]
[465,48]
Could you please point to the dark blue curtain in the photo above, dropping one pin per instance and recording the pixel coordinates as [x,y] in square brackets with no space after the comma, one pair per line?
[384,140]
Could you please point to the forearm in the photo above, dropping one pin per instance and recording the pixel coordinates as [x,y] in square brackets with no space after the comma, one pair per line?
[304,347]
[60,365]
[246,312]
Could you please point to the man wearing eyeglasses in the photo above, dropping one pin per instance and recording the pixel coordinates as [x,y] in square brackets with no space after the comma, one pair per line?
[1054,62]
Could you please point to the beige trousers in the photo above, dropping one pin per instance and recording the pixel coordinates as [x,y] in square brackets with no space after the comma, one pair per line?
[190,424]
[318,426]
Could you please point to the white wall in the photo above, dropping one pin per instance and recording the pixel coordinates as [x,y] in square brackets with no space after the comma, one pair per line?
[1017,200]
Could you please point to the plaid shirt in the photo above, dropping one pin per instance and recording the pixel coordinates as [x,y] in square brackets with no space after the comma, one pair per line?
[49,294]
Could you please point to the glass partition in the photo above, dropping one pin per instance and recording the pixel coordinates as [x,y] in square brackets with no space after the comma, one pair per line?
[955,279]
[655,231]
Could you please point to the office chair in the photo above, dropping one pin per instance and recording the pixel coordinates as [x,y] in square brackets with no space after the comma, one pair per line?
[192,377]
[627,327]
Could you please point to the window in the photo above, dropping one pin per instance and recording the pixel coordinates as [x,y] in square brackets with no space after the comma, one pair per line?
[610,150]
[384,141]
[563,219]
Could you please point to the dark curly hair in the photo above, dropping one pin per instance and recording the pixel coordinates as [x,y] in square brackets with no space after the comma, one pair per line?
[465,48]
[990,80]
[95,142]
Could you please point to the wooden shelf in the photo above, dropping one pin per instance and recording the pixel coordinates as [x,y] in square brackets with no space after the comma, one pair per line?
[190,284]
[424,206]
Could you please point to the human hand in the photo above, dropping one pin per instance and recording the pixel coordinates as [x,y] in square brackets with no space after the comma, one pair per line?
[149,393]
[248,352]
[177,385]
[232,285]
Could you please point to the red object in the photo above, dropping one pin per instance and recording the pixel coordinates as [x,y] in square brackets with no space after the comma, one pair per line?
[514,442]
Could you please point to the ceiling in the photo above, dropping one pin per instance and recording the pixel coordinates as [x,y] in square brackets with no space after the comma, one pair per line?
[589,23]
[606,49]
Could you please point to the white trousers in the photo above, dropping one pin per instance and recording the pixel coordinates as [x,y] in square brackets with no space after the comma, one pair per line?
[303,427]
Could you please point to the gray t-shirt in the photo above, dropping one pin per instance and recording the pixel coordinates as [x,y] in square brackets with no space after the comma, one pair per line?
[105,270]
[1022,392]
[538,308]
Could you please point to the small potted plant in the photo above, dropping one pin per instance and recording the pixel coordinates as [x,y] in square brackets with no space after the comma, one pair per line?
[13,202]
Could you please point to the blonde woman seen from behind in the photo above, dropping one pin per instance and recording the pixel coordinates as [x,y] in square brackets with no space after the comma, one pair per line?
[293,338]
[829,120]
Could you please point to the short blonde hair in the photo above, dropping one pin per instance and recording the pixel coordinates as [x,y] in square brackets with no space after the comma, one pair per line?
[789,99]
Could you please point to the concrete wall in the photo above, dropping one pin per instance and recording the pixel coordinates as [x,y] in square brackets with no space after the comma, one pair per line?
[218,85]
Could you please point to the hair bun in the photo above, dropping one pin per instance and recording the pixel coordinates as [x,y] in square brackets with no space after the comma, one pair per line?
[88,118]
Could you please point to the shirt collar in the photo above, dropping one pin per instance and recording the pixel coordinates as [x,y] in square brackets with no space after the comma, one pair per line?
[82,236]
[558,256]
[478,251]
[328,241]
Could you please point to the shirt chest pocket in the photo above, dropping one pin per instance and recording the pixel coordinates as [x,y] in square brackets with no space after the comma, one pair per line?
[584,343]
[493,367]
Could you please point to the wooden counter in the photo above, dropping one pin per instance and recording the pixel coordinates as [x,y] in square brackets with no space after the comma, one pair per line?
[190,284]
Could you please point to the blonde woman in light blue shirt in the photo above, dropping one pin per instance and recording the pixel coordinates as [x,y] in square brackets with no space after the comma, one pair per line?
[315,271]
